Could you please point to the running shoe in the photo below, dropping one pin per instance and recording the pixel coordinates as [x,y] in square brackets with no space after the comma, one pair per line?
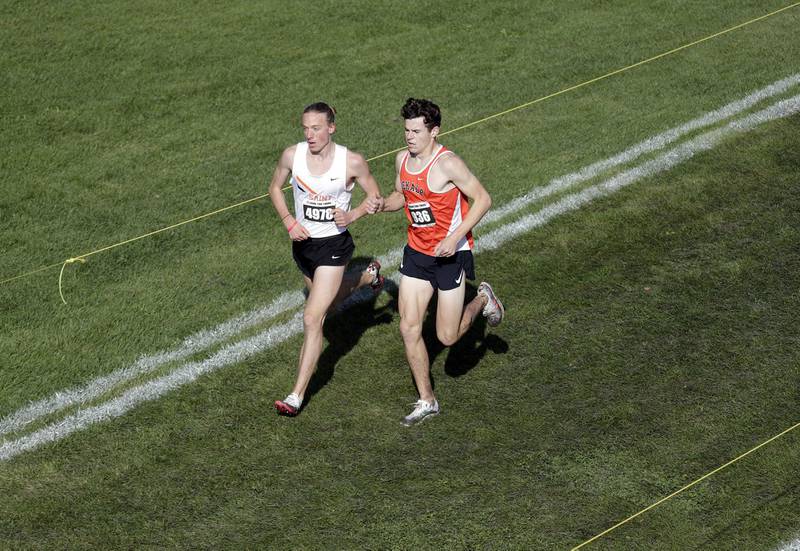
[374,269]
[289,406]
[493,311]
[422,410]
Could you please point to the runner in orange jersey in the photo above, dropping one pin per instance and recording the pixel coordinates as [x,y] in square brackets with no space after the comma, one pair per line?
[434,186]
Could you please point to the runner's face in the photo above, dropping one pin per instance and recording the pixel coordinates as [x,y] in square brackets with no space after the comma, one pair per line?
[418,138]
[317,131]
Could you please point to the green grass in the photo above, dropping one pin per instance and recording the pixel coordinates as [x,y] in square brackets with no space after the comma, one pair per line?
[651,335]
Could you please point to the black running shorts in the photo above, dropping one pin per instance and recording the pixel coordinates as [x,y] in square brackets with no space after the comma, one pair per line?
[443,272]
[336,250]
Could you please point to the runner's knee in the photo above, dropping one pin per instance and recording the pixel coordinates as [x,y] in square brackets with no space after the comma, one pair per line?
[410,330]
[313,320]
[447,336]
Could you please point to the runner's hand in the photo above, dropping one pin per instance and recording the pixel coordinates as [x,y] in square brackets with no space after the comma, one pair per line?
[342,218]
[375,204]
[299,233]
[446,247]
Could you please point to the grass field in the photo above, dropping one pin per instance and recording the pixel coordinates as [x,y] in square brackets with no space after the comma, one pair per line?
[651,334]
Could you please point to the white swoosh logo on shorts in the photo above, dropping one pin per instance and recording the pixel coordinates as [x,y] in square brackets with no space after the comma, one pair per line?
[335,257]
[458,279]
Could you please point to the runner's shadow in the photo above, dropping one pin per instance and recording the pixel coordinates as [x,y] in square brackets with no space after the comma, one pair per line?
[343,330]
[464,355]
[729,531]
[467,352]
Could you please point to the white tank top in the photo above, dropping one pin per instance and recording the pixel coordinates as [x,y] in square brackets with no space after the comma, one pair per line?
[315,197]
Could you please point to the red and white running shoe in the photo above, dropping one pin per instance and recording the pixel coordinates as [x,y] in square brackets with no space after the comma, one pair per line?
[289,406]
[374,269]
[493,311]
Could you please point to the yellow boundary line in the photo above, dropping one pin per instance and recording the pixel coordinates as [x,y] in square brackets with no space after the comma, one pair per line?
[673,494]
[82,257]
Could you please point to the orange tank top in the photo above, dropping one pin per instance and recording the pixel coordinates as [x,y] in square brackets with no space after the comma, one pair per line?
[432,216]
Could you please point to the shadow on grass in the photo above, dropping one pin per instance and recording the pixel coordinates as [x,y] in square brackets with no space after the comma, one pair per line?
[470,349]
[467,353]
[728,533]
[342,331]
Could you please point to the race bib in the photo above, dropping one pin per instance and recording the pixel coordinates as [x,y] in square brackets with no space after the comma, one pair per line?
[319,211]
[421,215]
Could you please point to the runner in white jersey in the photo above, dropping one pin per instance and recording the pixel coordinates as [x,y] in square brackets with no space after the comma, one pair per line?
[317,197]
[323,175]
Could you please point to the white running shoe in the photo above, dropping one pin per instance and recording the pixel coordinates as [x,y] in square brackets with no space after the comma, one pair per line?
[493,311]
[422,410]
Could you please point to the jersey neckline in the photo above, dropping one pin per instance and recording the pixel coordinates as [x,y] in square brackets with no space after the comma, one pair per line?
[427,165]
[333,162]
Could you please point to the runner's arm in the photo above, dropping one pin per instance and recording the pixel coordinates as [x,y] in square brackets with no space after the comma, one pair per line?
[456,171]
[358,169]
[284,167]
[396,199]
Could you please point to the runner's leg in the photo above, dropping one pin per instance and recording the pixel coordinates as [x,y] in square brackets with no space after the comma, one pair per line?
[415,295]
[322,291]
[453,319]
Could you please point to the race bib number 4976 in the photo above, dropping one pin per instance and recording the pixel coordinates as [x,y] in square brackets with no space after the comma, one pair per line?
[318,211]
[421,214]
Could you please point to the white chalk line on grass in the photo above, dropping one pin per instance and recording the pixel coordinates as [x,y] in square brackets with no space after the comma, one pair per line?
[240,351]
[791,546]
[661,163]
[205,339]
[649,145]
[147,364]
[154,389]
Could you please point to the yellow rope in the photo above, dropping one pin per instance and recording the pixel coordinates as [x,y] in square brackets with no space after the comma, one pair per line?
[26,274]
[612,73]
[82,258]
[173,226]
[490,117]
[61,275]
[673,494]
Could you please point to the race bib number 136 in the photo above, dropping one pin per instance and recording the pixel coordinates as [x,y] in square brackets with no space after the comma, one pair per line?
[421,215]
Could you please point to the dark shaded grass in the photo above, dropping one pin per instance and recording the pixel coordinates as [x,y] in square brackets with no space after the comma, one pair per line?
[651,342]
[651,336]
